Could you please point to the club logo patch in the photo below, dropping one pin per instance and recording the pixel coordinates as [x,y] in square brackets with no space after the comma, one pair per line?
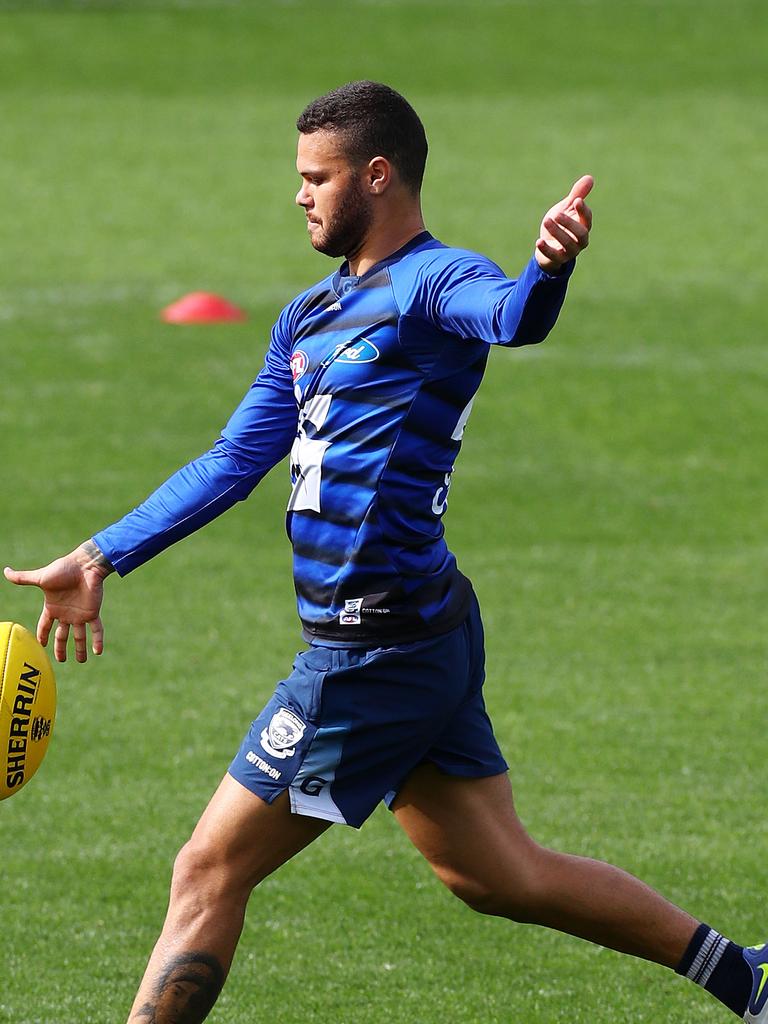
[351,614]
[363,351]
[299,364]
[282,734]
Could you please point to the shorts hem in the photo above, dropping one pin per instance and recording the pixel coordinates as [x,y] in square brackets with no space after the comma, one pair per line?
[457,773]
[308,810]
[468,773]
[265,794]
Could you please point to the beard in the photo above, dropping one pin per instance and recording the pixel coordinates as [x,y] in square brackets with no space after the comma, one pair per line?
[344,231]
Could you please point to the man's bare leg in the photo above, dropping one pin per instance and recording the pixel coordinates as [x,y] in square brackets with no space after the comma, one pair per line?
[469,832]
[238,841]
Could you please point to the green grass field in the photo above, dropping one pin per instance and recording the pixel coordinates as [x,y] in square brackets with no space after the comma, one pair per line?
[609,502]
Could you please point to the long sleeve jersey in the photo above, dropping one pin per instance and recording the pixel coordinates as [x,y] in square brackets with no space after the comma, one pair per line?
[367,383]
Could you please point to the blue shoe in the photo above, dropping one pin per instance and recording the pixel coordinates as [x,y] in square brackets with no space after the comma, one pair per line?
[757,961]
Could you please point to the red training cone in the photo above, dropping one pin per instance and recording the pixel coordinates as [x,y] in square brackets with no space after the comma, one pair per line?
[201,308]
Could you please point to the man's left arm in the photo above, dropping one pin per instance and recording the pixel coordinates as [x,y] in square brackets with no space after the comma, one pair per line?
[474,299]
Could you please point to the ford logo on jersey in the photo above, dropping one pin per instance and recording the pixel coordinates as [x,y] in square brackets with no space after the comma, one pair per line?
[362,351]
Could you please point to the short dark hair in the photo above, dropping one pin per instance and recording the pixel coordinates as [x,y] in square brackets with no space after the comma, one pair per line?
[372,120]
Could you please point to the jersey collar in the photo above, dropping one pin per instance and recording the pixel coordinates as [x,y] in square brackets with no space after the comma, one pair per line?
[343,282]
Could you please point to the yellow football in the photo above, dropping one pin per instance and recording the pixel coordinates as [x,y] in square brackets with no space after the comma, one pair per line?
[27,706]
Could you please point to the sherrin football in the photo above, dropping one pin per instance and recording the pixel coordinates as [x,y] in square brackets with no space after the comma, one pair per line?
[27,706]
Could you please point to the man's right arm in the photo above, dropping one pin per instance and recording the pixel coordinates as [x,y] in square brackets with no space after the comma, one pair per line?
[205,487]
[258,435]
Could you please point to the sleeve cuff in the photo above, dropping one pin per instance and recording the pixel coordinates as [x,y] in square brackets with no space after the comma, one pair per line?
[563,274]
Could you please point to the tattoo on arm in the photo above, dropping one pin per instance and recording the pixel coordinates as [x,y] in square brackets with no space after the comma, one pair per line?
[97,557]
[186,990]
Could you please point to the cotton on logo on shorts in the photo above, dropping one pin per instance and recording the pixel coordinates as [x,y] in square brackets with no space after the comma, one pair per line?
[253,758]
[282,734]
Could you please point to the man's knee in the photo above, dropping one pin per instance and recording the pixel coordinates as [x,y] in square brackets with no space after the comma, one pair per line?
[203,872]
[517,895]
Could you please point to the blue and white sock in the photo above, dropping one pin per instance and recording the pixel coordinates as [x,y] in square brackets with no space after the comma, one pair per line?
[717,964]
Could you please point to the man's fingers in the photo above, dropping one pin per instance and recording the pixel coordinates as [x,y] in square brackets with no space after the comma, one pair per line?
[97,636]
[81,648]
[581,188]
[60,638]
[44,624]
[556,254]
[583,212]
[24,578]
[568,245]
[571,233]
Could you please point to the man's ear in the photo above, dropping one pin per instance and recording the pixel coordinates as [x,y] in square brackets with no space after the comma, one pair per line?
[379,175]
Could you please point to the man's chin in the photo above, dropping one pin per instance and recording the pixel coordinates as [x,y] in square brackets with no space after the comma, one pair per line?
[325,247]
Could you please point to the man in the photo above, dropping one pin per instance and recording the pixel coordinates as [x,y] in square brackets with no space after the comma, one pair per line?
[368,382]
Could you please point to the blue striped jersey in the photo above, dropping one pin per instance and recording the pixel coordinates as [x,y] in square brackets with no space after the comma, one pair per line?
[367,384]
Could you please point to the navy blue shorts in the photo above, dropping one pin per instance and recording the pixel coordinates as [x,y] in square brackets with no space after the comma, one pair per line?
[348,726]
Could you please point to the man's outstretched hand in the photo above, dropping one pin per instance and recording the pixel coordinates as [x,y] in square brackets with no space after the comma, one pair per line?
[73,588]
[565,229]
